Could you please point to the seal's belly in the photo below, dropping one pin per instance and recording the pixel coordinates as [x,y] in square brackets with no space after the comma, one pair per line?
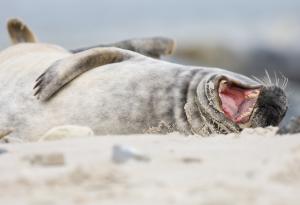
[120,98]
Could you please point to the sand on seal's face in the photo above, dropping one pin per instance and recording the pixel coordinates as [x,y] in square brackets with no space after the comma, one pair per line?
[256,167]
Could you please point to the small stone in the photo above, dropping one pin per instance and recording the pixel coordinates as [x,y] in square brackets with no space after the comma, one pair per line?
[189,160]
[121,154]
[3,151]
[52,159]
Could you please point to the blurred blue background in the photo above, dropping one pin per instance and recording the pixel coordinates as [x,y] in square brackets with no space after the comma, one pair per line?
[244,36]
[72,23]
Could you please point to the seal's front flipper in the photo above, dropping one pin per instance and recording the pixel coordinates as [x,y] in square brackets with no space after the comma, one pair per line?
[5,132]
[67,132]
[4,135]
[65,70]
[153,47]
[19,32]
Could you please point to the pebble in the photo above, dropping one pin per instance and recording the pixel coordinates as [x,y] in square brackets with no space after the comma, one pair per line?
[51,159]
[189,160]
[3,151]
[121,154]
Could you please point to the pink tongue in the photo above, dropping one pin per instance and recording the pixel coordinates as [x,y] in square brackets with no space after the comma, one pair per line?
[234,103]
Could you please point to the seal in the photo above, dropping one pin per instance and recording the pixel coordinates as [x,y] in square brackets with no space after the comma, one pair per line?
[117,91]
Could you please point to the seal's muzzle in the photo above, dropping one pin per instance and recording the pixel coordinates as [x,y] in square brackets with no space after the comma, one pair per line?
[252,106]
[270,108]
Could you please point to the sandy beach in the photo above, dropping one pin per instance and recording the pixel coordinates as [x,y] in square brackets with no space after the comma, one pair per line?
[256,167]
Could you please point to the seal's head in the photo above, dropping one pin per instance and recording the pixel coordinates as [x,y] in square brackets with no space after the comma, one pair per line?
[237,102]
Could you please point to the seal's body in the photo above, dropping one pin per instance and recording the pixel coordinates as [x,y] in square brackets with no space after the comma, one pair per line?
[118,91]
[127,97]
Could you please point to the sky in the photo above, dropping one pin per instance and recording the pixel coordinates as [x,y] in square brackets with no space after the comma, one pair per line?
[75,23]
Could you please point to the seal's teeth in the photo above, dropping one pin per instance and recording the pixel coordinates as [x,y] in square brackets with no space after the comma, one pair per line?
[252,95]
[245,114]
[250,108]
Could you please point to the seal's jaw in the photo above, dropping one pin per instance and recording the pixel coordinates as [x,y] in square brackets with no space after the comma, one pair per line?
[237,102]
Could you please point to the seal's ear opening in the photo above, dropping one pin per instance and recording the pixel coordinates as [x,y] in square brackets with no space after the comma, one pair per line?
[271,107]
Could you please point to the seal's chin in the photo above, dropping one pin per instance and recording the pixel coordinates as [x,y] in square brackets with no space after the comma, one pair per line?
[237,101]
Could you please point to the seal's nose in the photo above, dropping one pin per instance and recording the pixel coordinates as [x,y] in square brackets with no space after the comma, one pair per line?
[271,107]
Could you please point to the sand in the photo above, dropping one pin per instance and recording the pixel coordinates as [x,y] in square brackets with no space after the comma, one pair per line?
[256,167]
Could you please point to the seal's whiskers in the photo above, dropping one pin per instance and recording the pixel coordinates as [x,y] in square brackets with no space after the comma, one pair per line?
[258,80]
[285,81]
[279,81]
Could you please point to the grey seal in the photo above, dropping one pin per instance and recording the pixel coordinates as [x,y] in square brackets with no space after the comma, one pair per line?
[117,91]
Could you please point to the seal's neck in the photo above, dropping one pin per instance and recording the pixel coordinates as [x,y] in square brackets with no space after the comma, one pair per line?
[187,116]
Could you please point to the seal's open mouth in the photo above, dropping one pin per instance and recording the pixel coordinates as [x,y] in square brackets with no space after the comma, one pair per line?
[237,102]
